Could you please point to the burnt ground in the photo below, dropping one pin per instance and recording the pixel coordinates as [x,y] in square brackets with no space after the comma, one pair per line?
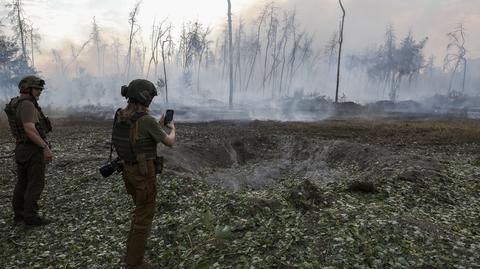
[343,193]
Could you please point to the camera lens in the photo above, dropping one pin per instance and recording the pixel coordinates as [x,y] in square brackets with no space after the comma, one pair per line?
[107,170]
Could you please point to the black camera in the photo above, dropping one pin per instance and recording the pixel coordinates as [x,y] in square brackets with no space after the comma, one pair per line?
[114,166]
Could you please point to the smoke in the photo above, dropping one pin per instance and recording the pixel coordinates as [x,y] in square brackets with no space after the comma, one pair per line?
[282,70]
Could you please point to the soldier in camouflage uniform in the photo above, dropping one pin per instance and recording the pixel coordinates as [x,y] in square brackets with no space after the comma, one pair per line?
[29,126]
[135,137]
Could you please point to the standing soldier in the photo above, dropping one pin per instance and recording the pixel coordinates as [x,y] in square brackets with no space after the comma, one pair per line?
[135,137]
[29,126]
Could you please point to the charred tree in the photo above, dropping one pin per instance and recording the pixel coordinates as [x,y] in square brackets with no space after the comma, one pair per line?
[34,40]
[132,20]
[95,36]
[238,50]
[267,47]
[200,50]
[256,48]
[289,21]
[116,45]
[155,39]
[165,80]
[230,55]
[340,42]
[457,59]
[17,19]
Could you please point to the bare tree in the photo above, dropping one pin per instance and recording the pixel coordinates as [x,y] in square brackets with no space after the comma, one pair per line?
[230,53]
[340,42]
[23,32]
[288,23]
[256,44]
[238,48]
[132,20]
[116,45]
[19,25]
[456,59]
[224,50]
[34,40]
[275,55]
[95,36]
[59,62]
[165,80]
[155,39]
[75,55]
[270,35]
[170,46]
[140,55]
[202,47]
[297,39]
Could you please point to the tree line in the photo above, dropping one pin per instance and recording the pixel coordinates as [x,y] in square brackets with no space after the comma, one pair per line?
[269,56]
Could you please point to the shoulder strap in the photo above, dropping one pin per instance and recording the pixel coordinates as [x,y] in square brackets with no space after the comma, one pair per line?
[111,139]
[133,119]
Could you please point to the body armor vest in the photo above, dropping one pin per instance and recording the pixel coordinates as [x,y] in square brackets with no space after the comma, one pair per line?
[128,148]
[16,125]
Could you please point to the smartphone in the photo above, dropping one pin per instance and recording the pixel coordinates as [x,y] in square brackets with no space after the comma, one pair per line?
[168,116]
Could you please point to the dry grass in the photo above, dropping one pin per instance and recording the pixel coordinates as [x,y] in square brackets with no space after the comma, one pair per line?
[394,131]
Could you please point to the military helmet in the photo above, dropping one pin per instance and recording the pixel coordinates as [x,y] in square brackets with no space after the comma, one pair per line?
[140,91]
[30,82]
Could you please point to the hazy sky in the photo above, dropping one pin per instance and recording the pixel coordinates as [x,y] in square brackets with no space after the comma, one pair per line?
[366,21]
[66,20]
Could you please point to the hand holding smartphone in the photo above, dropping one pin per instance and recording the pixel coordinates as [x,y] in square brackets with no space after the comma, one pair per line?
[168,117]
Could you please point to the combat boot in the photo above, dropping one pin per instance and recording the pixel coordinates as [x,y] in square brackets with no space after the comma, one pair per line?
[17,219]
[36,221]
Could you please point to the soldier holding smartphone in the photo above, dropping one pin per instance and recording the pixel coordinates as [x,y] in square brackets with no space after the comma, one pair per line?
[135,137]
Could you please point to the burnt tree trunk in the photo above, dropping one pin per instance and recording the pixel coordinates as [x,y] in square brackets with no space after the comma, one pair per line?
[230,54]
[165,71]
[340,42]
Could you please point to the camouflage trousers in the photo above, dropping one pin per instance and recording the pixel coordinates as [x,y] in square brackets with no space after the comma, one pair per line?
[30,180]
[140,184]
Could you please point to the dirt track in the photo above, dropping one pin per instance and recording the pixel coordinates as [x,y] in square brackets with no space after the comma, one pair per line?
[350,179]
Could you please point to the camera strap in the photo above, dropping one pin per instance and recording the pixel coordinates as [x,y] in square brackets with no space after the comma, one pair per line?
[111,139]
